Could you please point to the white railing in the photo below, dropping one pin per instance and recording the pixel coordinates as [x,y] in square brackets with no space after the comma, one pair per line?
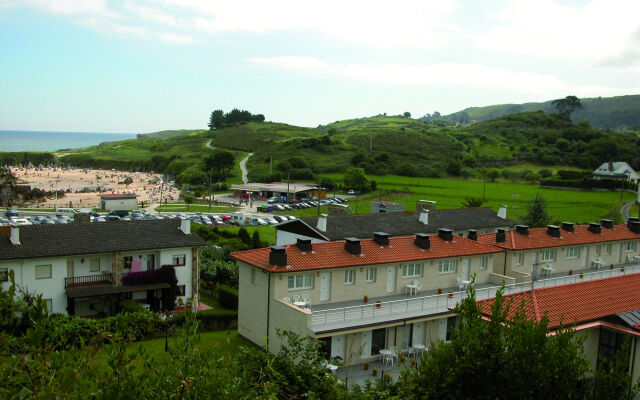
[442,302]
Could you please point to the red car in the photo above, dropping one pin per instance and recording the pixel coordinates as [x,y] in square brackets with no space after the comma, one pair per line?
[294,201]
[226,217]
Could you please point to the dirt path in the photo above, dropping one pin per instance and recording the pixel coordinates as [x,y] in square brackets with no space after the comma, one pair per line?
[243,168]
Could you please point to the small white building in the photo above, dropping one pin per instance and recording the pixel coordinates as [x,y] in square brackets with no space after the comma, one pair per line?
[616,170]
[88,268]
[119,201]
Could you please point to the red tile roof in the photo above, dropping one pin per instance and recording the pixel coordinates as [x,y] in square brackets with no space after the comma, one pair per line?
[577,302]
[333,255]
[538,237]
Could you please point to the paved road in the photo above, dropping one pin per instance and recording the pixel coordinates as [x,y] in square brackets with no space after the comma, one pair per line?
[243,168]
[625,210]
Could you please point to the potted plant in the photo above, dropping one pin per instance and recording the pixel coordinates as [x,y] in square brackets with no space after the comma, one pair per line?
[413,364]
[611,266]
[581,275]
[570,272]
[366,298]
[450,292]
[622,268]
[439,290]
[374,372]
[366,366]
[378,303]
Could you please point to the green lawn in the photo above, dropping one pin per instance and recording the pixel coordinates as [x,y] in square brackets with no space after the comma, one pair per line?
[564,205]
[267,233]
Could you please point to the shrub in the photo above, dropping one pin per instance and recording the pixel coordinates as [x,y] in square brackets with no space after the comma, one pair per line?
[228,297]
[131,306]
[210,319]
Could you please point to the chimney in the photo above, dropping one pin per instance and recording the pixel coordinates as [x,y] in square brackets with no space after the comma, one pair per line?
[381,238]
[631,220]
[322,223]
[304,244]
[424,217]
[634,226]
[594,227]
[445,234]
[567,226]
[15,235]
[606,223]
[553,231]
[428,205]
[422,241]
[500,236]
[502,212]
[278,256]
[473,234]
[352,245]
[185,226]
[522,229]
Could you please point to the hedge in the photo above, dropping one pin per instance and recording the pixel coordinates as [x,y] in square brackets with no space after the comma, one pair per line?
[228,297]
[211,320]
[589,183]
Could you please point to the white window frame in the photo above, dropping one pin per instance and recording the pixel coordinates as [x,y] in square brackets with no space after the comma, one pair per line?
[176,258]
[597,249]
[609,249]
[41,275]
[520,258]
[630,246]
[573,252]
[91,265]
[4,275]
[349,277]
[448,267]
[411,270]
[300,281]
[370,275]
[548,255]
[484,262]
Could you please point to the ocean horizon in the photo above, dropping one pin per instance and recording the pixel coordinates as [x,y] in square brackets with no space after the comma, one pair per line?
[12,140]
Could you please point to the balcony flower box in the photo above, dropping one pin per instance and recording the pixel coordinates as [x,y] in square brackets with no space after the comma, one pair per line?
[366,299]
[378,303]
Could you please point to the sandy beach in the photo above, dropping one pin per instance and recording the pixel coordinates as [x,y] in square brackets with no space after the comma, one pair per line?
[83,186]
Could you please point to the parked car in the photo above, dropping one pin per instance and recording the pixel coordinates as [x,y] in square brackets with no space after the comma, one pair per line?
[119,213]
[273,200]
[11,213]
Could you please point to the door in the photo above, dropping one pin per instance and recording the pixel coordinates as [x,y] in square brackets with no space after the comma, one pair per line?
[534,261]
[465,269]
[325,285]
[337,346]
[407,336]
[70,269]
[442,329]
[366,344]
[391,279]
[378,341]
[418,333]
[151,262]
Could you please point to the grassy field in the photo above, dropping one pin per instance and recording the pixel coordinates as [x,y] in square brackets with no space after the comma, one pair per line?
[564,205]
[267,233]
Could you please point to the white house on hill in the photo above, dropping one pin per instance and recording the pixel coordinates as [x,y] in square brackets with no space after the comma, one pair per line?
[616,170]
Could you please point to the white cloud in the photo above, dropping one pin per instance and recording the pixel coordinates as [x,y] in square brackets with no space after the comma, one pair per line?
[111,27]
[292,62]
[73,7]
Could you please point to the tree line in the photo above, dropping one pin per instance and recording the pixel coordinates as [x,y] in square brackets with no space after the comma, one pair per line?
[220,119]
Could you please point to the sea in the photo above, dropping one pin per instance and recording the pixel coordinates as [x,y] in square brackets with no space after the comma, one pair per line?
[52,141]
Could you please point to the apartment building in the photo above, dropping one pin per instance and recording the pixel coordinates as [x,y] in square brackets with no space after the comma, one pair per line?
[567,249]
[358,296]
[87,268]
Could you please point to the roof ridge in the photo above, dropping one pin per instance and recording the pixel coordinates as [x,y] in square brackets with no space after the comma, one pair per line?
[536,308]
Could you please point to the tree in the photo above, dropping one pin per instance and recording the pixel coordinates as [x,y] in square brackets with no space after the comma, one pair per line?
[567,106]
[407,114]
[472,202]
[504,357]
[536,215]
[545,173]
[128,181]
[219,164]
[356,179]
[188,199]
[493,174]
[216,121]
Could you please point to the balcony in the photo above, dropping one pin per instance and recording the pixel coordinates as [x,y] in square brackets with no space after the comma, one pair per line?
[351,314]
[104,279]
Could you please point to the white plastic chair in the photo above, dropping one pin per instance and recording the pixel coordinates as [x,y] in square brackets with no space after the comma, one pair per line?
[297,299]
[306,300]
[418,286]
[461,285]
[286,300]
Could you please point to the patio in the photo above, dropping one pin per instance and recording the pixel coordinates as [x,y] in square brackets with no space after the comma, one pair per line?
[357,375]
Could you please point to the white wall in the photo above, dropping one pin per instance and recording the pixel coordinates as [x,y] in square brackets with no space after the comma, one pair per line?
[120,204]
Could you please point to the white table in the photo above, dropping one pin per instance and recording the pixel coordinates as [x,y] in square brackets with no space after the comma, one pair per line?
[300,304]
[419,348]
[413,288]
[547,270]
[597,264]
[465,284]
[332,368]
[385,353]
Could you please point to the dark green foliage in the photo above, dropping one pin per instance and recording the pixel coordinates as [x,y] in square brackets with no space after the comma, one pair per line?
[536,213]
[567,106]
[210,320]
[213,272]
[218,119]
[228,297]
[471,202]
[130,306]
[167,273]
[612,380]
[219,164]
[244,236]
[25,158]
[356,179]
[589,183]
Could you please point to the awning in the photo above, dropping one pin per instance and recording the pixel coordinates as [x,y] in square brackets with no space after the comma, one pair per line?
[92,291]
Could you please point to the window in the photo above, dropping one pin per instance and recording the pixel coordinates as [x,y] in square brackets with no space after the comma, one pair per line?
[151,262]
[609,246]
[4,274]
[609,343]
[181,290]
[94,265]
[49,303]
[301,281]
[43,271]
[451,324]
[179,259]
[447,266]
[548,255]
[371,275]
[127,261]
[253,276]
[629,246]
[411,270]
[484,261]
[573,252]
[520,257]
[349,277]
[597,250]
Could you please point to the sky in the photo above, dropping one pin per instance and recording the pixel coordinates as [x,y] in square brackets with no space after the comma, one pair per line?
[149,65]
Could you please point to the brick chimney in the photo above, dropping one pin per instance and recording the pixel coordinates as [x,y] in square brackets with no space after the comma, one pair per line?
[278,256]
[423,241]
[14,238]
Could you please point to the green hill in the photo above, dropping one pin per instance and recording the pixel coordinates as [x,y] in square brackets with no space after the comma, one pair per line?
[602,112]
[166,134]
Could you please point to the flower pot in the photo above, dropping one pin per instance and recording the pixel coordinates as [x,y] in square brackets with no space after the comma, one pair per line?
[366,299]
[439,290]
[611,266]
[378,304]
[570,272]
[450,293]
[374,372]
[366,366]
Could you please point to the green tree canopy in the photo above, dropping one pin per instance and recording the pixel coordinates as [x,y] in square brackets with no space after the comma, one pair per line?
[219,164]
[216,121]
[356,179]
[536,215]
[567,106]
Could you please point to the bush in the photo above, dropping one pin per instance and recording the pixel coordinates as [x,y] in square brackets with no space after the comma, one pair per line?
[131,306]
[228,297]
[210,320]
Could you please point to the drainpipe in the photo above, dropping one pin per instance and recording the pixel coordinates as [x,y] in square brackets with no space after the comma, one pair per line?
[268,306]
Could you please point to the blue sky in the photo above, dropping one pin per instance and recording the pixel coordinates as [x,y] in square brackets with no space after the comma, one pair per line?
[141,66]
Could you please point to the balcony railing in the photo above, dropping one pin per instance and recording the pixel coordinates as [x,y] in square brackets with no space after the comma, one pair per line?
[88,280]
[426,305]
